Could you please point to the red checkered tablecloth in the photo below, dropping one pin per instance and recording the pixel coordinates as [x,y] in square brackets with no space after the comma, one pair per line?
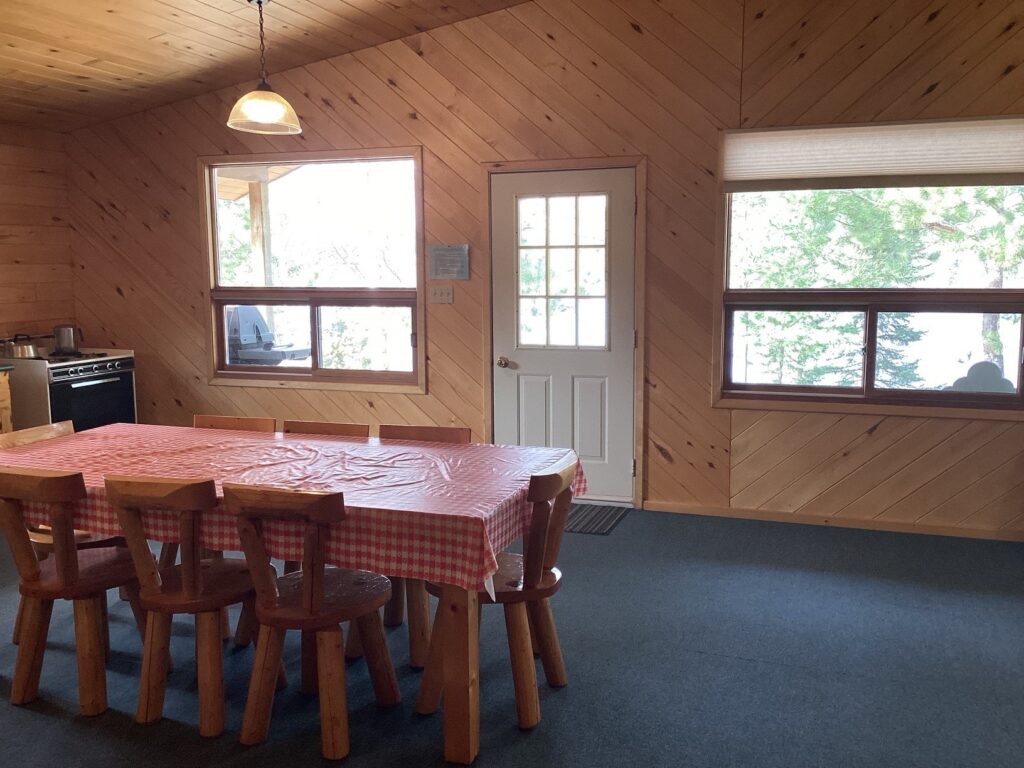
[419,510]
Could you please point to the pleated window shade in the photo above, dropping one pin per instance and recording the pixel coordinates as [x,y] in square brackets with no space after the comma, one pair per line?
[911,154]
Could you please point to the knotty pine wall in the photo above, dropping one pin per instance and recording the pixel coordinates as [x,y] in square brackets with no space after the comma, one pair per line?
[808,63]
[571,79]
[550,79]
[35,254]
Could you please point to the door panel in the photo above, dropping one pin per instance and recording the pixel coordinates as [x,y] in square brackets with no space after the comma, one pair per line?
[562,287]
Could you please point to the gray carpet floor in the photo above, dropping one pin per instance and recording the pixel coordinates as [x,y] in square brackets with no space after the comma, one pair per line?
[689,642]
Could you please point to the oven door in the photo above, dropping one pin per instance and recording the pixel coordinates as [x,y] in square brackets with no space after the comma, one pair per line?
[106,398]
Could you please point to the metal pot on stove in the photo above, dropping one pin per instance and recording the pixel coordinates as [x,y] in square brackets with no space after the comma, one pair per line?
[20,345]
[66,338]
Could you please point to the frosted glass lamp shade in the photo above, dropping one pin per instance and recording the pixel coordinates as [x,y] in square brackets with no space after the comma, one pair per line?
[263,111]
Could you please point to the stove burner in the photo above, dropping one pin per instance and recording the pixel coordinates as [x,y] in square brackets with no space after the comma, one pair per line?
[65,357]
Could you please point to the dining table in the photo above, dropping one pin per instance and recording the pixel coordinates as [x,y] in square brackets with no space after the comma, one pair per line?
[434,511]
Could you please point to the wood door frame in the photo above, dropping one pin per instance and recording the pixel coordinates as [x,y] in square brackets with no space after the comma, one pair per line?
[639,164]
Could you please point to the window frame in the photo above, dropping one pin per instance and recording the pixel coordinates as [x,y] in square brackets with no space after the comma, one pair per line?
[871,303]
[223,373]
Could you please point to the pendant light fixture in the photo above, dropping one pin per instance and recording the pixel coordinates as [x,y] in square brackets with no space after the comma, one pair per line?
[262,110]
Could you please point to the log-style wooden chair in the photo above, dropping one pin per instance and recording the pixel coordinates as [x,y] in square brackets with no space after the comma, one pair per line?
[337,428]
[40,535]
[209,421]
[524,585]
[201,586]
[414,591]
[243,423]
[315,600]
[80,575]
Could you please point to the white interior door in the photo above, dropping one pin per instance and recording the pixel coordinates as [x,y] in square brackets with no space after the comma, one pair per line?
[562,247]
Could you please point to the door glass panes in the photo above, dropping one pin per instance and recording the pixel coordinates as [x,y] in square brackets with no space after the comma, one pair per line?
[950,351]
[563,271]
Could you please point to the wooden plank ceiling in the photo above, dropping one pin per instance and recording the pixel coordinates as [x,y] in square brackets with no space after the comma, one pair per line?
[64,65]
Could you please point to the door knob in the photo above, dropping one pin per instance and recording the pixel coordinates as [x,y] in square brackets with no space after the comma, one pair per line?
[504,362]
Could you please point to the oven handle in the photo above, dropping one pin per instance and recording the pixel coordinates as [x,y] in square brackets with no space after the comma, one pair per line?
[79,384]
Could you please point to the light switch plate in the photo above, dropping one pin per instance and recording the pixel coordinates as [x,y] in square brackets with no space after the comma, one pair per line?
[442,294]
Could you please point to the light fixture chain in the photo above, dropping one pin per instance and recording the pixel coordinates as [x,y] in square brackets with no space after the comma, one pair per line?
[263,45]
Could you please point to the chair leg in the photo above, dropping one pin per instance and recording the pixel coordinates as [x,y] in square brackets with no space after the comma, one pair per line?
[419,621]
[353,643]
[333,707]
[524,673]
[309,664]
[92,668]
[35,624]
[245,629]
[394,611]
[533,633]
[155,663]
[209,668]
[432,681]
[378,660]
[168,555]
[16,634]
[543,623]
[266,668]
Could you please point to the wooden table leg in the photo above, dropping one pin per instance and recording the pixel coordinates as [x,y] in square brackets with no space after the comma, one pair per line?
[461,675]
[418,608]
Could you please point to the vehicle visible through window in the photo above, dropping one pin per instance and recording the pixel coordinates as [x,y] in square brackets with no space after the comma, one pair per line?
[900,294]
[317,268]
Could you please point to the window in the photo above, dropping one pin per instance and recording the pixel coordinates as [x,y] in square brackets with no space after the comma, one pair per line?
[874,287]
[317,269]
[563,271]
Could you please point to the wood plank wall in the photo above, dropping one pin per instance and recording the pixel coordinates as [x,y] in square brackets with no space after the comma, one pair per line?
[551,79]
[809,63]
[35,255]
[556,79]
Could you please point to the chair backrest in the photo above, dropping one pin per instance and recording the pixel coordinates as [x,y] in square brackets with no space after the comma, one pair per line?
[35,434]
[315,510]
[461,435]
[59,491]
[188,500]
[550,494]
[327,428]
[245,423]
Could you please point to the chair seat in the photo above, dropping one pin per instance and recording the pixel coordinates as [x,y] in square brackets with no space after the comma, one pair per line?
[508,582]
[42,539]
[348,594]
[225,582]
[98,570]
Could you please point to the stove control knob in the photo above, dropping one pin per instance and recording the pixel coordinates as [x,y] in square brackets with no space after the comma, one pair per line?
[110,366]
[116,366]
[95,368]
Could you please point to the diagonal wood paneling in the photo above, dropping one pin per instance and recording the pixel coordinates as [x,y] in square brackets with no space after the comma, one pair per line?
[810,63]
[549,79]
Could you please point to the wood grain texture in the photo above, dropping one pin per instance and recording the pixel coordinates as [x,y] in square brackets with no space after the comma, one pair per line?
[104,58]
[35,254]
[879,60]
[543,80]
[5,402]
[556,79]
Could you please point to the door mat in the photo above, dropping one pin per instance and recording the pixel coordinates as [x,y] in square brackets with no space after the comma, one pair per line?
[593,518]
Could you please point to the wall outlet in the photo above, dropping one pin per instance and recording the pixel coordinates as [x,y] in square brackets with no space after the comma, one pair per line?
[442,294]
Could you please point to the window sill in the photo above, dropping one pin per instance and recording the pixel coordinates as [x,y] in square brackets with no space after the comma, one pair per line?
[739,402]
[321,384]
